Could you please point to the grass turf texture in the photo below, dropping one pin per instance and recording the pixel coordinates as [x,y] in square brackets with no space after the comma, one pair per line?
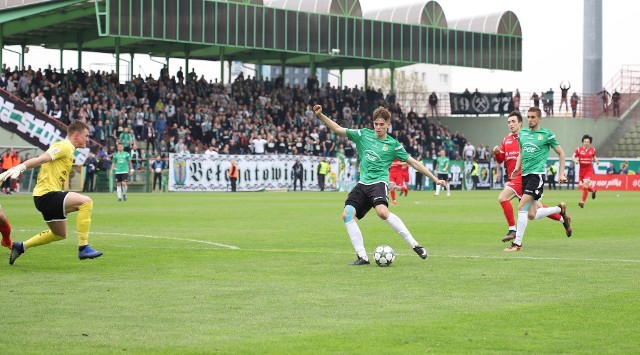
[170,281]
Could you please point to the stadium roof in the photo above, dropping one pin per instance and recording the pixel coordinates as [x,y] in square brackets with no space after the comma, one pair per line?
[334,34]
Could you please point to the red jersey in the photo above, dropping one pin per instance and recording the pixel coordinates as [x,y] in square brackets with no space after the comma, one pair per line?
[509,152]
[396,168]
[585,158]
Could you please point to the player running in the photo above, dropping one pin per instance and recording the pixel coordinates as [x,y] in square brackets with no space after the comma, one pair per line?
[508,153]
[396,179]
[535,143]
[585,155]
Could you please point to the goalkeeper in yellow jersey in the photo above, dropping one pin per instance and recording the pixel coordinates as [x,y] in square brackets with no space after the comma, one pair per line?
[51,201]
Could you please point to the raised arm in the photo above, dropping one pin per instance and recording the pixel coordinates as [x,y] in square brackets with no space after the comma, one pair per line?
[334,127]
[423,169]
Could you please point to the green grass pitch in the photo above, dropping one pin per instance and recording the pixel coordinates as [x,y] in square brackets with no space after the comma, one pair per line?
[267,273]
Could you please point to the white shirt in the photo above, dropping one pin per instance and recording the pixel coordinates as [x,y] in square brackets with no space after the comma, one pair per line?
[258,145]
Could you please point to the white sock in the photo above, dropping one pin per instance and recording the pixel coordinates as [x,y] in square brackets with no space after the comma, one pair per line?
[356,238]
[448,189]
[119,191]
[545,211]
[396,224]
[437,189]
[523,219]
[124,189]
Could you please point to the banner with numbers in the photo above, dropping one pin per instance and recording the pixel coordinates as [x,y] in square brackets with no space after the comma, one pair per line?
[481,104]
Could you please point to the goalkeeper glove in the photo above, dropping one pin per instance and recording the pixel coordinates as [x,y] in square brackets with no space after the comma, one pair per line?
[13,173]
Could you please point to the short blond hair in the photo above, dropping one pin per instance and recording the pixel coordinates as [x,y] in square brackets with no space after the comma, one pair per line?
[383,113]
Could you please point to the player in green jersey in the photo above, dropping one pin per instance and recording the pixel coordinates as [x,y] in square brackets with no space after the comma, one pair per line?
[376,151]
[535,143]
[122,165]
[443,168]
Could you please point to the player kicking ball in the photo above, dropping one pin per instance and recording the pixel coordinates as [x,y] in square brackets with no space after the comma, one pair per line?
[508,153]
[377,151]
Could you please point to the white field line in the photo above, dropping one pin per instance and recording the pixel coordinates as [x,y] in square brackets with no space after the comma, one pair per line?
[233,247]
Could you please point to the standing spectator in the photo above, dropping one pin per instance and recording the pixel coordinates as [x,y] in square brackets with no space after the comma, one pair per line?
[624,168]
[259,144]
[150,135]
[615,100]
[7,162]
[610,169]
[549,96]
[323,169]
[551,176]
[575,99]
[90,168]
[433,103]
[516,101]
[160,126]
[298,171]
[604,96]
[157,166]
[233,174]
[536,100]
[40,102]
[469,152]
[475,169]
[501,99]
[564,93]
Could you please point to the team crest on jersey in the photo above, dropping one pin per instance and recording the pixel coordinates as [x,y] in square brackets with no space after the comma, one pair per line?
[55,150]
[385,147]
[540,137]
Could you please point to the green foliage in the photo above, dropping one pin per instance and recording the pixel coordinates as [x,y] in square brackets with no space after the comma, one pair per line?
[267,273]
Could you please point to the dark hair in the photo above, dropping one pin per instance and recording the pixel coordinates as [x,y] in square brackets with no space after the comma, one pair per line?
[586,136]
[76,126]
[536,110]
[383,113]
[517,114]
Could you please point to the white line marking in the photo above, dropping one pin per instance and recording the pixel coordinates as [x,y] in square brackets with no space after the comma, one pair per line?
[159,237]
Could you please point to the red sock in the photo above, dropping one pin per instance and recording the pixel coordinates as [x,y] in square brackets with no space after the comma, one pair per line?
[508,212]
[5,229]
[591,189]
[585,192]
[555,216]
[393,194]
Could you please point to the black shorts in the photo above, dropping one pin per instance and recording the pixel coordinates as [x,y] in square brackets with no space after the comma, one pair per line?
[533,185]
[443,176]
[364,197]
[51,205]
[122,177]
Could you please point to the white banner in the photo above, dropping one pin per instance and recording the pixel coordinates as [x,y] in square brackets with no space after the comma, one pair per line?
[200,172]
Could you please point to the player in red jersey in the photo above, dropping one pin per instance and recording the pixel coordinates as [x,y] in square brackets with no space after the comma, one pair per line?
[585,155]
[508,153]
[397,178]
[5,230]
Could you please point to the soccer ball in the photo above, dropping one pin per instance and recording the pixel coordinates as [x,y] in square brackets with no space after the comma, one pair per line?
[384,255]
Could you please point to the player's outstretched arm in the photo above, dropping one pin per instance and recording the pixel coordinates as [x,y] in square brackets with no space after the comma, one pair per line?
[426,172]
[334,127]
[561,158]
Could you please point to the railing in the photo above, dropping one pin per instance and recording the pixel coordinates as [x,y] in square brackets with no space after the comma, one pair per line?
[626,82]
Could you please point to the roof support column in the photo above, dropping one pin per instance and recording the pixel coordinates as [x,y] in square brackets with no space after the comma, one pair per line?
[117,50]
[166,60]
[312,68]
[222,65]
[61,61]
[22,48]
[340,80]
[283,68]
[79,41]
[366,75]
[131,67]
[1,42]
[230,65]
[259,70]
[187,54]
[392,76]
